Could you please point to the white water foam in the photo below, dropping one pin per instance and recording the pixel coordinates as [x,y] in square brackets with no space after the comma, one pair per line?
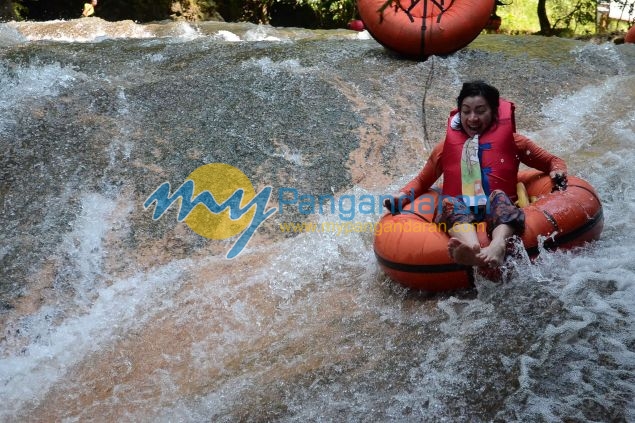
[102,313]
[262,33]
[86,30]
[9,35]
[568,119]
[227,36]
[37,80]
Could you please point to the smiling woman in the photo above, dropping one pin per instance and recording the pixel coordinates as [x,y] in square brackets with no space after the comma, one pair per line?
[479,162]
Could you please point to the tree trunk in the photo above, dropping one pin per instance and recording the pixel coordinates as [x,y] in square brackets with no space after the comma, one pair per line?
[545,25]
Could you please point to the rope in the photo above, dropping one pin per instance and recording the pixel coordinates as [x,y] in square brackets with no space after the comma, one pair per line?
[427,144]
[423,28]
[441,6]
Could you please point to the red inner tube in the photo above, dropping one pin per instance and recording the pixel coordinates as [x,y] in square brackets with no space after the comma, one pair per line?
[412,250]
[448,26]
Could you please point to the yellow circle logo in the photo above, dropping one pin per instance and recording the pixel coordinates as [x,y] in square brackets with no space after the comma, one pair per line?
[221,181]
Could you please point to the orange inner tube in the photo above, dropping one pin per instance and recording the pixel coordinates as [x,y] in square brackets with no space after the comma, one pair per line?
[448,25]
[412,250]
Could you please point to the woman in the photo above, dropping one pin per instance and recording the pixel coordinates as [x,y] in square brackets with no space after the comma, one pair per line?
[479,161]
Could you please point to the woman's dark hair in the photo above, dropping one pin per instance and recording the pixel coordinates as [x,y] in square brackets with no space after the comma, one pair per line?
[476,88]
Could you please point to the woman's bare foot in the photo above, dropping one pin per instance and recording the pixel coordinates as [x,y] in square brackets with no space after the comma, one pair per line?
[494,254]
[464,254]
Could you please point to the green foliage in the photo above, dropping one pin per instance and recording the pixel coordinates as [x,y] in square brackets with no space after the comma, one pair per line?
[193,10]
[19,11]
[575,17]
[518,17]
[12,11]
[568,17]
[332,13]
[256,11]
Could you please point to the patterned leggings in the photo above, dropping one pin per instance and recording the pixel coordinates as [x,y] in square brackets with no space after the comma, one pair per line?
[498,211]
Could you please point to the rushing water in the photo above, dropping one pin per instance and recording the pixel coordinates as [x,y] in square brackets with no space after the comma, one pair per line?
[109,315]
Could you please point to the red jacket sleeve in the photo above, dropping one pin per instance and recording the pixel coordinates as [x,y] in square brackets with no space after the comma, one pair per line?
[533,156]
[428,175]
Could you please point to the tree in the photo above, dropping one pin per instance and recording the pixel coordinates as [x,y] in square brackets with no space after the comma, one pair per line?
[566,15]
[545,25]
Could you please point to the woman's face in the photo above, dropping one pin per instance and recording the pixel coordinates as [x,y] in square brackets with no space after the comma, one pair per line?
[476,115]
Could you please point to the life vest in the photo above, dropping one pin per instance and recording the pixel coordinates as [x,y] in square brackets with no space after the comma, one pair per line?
[496,152]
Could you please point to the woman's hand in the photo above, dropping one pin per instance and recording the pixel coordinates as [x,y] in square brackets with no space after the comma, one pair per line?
[559,180]
[396,202]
